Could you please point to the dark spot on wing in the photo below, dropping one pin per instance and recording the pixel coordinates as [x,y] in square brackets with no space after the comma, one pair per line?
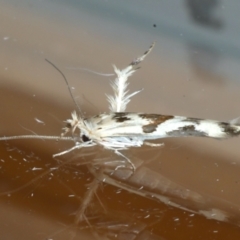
[120,117]
[155,120]
[193,120]
[229,129]
[186,131]
[155,117]
[149,128]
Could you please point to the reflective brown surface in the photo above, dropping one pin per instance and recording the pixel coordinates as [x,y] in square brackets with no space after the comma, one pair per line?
[38,202]
[47,207]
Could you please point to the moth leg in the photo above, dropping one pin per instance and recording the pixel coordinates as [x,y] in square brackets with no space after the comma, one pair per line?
[87,199]
[154,144]
[133,168]
[77,146]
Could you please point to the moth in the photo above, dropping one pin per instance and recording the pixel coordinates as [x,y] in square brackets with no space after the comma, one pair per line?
[119,130]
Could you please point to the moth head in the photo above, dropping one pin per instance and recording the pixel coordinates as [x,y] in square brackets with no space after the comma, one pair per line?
[71,124]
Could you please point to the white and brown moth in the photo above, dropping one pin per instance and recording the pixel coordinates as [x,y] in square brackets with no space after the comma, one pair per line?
[119,130]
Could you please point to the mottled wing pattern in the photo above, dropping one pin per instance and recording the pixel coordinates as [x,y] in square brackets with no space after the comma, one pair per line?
[153,126]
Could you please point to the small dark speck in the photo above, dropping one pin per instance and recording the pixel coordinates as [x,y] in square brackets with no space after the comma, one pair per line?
[154,25]
[85,138]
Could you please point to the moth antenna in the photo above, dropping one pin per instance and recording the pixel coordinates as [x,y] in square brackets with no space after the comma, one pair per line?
[37,137]
[69,88]
[91,71]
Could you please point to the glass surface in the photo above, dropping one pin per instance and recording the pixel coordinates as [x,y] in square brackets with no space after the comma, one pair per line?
[188,189]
